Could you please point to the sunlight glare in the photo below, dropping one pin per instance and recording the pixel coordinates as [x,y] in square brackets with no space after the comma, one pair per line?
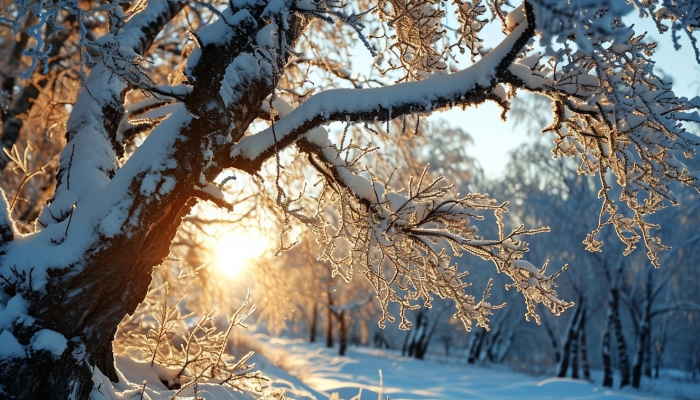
[235,250]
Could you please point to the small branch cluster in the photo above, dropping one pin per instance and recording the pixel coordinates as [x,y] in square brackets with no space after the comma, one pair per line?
[613,113]
[191,354]
[399,239]
[417,31]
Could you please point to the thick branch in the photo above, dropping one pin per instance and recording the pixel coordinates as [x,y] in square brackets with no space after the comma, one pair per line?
[471,86]
[91,131]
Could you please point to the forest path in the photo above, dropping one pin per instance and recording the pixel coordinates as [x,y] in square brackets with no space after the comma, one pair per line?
[324,372]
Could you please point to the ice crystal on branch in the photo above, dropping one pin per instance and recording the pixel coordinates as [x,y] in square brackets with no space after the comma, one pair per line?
[417,30]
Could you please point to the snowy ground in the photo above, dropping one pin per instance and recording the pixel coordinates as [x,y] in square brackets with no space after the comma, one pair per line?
[313,372]
[319,372]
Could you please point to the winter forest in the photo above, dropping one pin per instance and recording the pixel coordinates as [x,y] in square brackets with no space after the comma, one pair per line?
[233,199]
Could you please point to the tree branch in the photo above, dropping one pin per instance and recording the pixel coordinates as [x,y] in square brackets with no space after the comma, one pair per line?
[471,86]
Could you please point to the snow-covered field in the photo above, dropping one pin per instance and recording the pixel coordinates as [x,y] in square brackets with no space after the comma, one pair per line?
[321,372]
[314,372]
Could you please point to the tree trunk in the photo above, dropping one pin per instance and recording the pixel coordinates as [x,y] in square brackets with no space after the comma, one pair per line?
[406,341]
[93,303]
[555,342]
[640,353]
[571,334]
[583,348]
[475,348]
[424,340]
[493,346]
[312,325]
[620,344]
[643,337]
[574,358]
[329,319]
[418,338]
[607,360]
[342,333]
[647,354]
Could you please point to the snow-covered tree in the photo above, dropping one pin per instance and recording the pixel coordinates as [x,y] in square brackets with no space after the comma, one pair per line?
[154,127]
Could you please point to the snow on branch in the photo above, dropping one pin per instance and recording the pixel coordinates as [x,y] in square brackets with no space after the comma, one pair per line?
[89,160]
[471,86]
[400,240]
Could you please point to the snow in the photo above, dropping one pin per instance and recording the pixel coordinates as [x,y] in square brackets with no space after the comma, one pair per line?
[241,71]
[50,341]
[10,348]
[266,37]
[14,312]
[515,17]
[103,211]
[212,190]
[526,265]
[218,32]
[323,371]
[310,5]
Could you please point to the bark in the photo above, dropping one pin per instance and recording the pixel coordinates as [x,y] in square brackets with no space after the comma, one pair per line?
[620,344]
[583,348]
[647,354]
[643,336]
[404,347]
[424,340]
[574,357]
[312,325]
[329,318]
[571,334]
[342,333]
[418,338]
[607,360]
[380,341]
[493,345]
[555,342]
[640,354]
[114,273]
[475,348]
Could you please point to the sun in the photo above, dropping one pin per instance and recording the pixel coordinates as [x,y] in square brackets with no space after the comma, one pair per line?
[236,250]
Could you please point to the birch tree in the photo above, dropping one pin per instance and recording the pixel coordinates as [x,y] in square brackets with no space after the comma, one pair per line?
[142,149]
